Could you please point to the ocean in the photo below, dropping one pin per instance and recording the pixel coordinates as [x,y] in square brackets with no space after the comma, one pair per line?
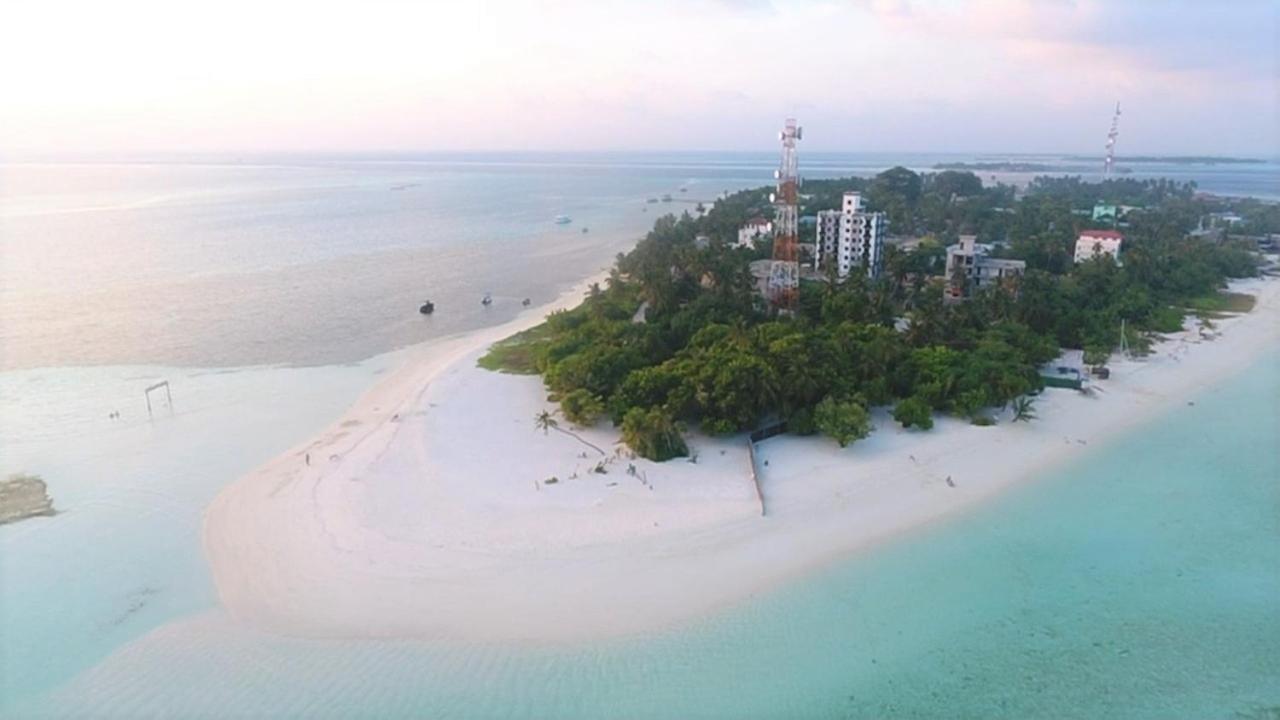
[270,292]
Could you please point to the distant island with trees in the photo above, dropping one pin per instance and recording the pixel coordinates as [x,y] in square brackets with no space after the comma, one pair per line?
[678,336]
[1024,166]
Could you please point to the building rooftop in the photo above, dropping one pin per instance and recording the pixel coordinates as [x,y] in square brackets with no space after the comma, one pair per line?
[1108,234]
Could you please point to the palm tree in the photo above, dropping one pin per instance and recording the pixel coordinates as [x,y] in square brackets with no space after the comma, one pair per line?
[546,422]
[1024,409]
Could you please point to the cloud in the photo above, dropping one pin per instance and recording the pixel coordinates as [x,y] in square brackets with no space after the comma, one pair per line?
[687,74]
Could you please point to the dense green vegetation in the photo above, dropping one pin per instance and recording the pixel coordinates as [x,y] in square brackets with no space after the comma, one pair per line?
[707,352]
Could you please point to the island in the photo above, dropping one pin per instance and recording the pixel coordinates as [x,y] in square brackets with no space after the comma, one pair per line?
[999,166]
[660,443]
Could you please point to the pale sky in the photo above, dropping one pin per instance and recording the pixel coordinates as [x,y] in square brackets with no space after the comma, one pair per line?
[123,76]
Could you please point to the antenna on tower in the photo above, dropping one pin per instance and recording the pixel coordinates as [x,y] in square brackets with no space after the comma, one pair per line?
[784,273]
[1110,162]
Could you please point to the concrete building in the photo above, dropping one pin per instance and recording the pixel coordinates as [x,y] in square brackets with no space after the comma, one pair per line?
[970,269]
[1103,212]
[1093,243]
[755,229]
[850,238]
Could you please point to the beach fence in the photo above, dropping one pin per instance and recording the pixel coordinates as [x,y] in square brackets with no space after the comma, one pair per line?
[168,397]
[761,435]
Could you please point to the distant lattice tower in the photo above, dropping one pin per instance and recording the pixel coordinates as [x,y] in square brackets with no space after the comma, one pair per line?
[784,274]
[1110,162]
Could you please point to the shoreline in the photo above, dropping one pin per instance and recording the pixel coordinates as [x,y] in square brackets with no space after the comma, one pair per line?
[414,522]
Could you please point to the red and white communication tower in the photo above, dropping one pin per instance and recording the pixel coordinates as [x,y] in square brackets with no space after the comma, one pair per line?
[1111,143]
[784,274]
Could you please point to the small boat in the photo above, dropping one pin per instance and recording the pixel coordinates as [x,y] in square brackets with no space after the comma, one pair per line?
[652,200]
[526,302]
[684,189]
[666,198]
[487,300]
[427,308]
[563,219]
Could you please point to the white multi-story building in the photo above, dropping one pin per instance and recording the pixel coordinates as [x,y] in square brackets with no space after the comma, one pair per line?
[969,269]
[1093,243]
[850,238]
[755,229]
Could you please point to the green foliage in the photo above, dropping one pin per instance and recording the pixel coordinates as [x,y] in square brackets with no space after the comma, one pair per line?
[1096,354]
[580,407]
[914,411]
[653,434]
[845,420]
[518,354]
[802,422]
[983,420]
[1220,302]
[1166,320]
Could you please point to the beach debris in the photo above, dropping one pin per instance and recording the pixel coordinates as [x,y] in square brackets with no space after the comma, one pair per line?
[600,468]
[612,484]
[24,496]
[307,459]
[631,469]
[551,480]
[950,482]
[693,457]
[138,599]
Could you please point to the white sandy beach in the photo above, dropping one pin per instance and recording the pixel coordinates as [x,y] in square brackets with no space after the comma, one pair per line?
[424,511]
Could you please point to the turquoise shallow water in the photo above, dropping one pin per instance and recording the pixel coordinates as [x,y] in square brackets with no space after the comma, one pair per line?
[1140,582]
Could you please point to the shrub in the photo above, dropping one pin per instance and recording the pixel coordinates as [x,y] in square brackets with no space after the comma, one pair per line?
[581,407]
[983,420]
[801,422]
[914,411]
[967,404]
[1096,354]
[843,420]
[1166,320]
[653,434]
